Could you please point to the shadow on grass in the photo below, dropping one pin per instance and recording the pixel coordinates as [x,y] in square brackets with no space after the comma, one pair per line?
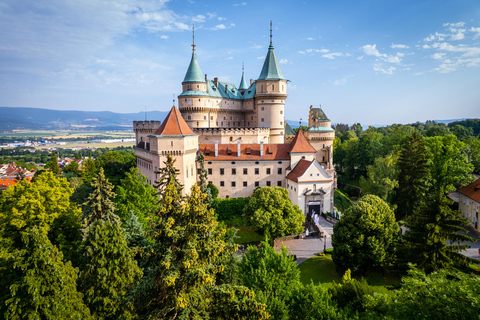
[321,270]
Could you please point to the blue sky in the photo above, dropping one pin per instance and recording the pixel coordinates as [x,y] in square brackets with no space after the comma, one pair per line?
[373,62]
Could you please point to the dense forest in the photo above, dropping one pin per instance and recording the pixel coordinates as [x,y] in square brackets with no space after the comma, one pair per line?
[97,242]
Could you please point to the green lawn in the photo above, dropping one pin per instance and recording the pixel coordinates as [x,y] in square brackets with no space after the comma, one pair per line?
[246,234]
[322,270]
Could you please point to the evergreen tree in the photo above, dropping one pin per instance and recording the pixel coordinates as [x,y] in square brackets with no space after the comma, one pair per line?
[184,260]
[54,164]
[203,177]
[412,177]
[135,195]
[434,239]
[89,169]
[108,271]
[42,285]
[99,205]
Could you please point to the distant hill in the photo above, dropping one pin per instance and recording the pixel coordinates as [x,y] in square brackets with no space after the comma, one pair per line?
[46,119]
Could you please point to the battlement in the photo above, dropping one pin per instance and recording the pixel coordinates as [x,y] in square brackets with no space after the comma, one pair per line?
[232,135]
[143,126]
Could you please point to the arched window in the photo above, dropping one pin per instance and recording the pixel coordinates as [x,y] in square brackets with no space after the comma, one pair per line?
[314,187]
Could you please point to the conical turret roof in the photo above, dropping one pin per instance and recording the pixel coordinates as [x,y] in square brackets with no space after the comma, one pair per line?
[194,74]
[243,83]
[174,125]
[271,68]
[300,144]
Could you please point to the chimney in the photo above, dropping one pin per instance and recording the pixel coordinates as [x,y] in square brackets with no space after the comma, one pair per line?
[215,82]
[226,89]
[216,149]
[238,148]
[261,148]
[251,81]
[205,77]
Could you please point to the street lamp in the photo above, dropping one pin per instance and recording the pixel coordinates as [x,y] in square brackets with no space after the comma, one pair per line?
[325,244]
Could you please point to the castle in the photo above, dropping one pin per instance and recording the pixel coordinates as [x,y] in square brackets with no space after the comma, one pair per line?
[244,137]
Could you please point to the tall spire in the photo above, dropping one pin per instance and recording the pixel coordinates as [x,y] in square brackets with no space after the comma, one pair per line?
[271,35]
[194,74]
[193,40]
[243,83]
[271,68]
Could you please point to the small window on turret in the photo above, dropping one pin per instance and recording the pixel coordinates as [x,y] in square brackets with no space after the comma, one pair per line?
[273,87]
[263,108]
[189,117]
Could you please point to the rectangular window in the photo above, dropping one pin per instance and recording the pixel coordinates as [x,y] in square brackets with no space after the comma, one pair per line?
[279,183]
[257,171]
[269,184]
[268,171]
[234,171]
[279,171]
[233,183]
[245,171]
[209,170]
[263,120]
[244,183]
[257,184]
[222,171]
[222,183]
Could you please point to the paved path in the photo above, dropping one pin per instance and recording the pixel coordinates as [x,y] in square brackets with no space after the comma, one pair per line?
[473,251]
[310,246]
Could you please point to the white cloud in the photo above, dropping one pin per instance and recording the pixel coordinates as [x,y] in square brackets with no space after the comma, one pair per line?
[332,55]
[438,55]
[418,73]
[426,46]
[260,58]
[458,35]
[310,38]
[221,19]
[222,26]
[164,37]
[283,61]
[316,50]
[399,46]
[229,58]
[477,30]
[380,69]
[256,47]
[239,4]
[371,50]
[301,52]
[340,82]
[199,18]
[360,58]
[437,36]
[454,25]
[211,15]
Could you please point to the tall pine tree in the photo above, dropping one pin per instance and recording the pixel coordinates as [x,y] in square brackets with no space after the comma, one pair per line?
[108,269]
[99,205]
[412,177]
[186,257]
[42,285]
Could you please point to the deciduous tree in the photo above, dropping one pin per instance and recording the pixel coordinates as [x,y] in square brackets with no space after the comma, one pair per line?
[365,237]
[271,211]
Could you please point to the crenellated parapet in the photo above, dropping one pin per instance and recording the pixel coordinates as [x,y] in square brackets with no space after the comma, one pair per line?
[232,135]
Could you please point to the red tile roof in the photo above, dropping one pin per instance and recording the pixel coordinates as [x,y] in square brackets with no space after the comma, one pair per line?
[299,170]
[300,144]
[247,152]
[174,125]
[472,190]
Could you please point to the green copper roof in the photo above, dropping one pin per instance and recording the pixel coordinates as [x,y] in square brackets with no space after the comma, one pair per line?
[288,130]
[224,90]
[317,113]
[194,74]
[243,83]
[271,68]
[324,129]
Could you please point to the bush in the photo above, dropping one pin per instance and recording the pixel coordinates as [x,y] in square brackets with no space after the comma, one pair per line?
[229,209]
[351,293]
[213,190]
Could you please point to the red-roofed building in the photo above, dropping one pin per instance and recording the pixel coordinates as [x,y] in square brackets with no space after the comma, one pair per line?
[245,139]
[469,203]
[10,174]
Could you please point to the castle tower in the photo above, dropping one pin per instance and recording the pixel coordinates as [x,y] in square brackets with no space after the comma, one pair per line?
[271,92]
[174,137]
[321,136]
[194,86]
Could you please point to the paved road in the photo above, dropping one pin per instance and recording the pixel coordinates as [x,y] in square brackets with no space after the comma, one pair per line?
[310,246]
